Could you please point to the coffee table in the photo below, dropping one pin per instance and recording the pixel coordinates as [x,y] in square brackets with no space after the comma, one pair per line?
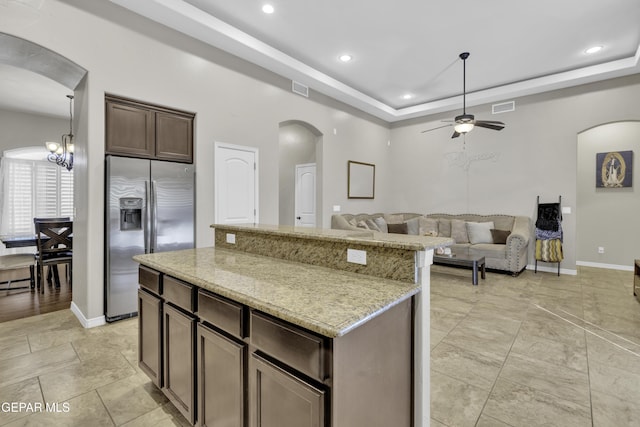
[475,262]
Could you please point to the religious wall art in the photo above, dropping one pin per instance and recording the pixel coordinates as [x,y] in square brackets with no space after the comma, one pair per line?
[614,169]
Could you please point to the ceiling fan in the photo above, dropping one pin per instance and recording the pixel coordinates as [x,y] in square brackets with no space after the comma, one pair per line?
[466,122]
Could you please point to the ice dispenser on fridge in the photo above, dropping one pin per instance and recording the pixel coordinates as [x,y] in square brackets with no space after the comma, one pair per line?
[130,213]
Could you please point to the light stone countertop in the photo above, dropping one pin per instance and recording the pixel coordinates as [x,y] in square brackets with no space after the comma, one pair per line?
[327,301]
[364,237]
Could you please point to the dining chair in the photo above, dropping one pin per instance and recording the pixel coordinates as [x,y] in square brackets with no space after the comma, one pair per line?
[51,270]
[55,246]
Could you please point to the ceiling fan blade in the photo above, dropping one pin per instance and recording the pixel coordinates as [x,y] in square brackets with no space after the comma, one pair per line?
[482,124]
[491,122]
[439,127]
[455,134]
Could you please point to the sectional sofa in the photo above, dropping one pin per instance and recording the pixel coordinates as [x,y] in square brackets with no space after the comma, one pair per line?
[502,239]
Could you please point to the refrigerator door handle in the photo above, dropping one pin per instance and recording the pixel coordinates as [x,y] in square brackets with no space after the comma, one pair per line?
[147,219]
[154,216]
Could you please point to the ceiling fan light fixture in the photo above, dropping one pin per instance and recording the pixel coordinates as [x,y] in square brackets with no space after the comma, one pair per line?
[463,127]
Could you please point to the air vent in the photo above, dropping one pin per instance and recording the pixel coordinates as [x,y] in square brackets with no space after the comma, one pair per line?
[503,107]
[299,88]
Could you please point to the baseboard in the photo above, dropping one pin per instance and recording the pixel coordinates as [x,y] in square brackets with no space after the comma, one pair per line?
[603,265]
[567,271]
[87,323]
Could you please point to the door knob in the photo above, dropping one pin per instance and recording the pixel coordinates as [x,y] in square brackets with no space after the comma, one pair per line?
[298,217]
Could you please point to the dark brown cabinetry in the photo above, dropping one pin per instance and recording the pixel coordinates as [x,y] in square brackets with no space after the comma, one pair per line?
[241,367]
[221,379]
[150,336]
[136,129]
[179,366]
[281,399]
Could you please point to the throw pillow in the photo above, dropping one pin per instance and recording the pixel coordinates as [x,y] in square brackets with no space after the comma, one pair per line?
[444,227]
[381,223]
[398,228]
[353,222]
[362,224]
[500,236]
[372,225]
[393,218]
[413,226]
[459,231]
[427,226]
[480,232]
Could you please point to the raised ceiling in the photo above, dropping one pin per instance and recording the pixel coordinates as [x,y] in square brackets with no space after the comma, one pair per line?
[411,47]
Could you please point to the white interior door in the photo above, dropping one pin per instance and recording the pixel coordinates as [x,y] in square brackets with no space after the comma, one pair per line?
[305,204]
[236,187]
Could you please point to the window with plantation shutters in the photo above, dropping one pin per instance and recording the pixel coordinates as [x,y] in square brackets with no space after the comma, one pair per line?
[32,187]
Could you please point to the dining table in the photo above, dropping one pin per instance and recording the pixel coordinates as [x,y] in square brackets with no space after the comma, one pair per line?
[18,241]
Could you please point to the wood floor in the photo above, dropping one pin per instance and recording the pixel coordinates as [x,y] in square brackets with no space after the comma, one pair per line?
[19,303]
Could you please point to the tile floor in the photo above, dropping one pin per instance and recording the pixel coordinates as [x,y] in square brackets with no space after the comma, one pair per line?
[527,351]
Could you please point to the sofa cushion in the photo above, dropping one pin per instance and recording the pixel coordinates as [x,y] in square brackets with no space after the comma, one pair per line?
[372,225]
[413,226]
[488,250]
[427,226]
[460,248]
[500,236]
[381,223]
[480,232]
[459,231]
[397,228]
[393,218]
[444,227]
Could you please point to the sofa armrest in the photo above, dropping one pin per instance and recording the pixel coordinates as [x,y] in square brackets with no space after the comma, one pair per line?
[518,243]
[521,231]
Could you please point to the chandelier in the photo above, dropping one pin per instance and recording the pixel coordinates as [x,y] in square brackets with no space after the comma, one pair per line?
[62,153]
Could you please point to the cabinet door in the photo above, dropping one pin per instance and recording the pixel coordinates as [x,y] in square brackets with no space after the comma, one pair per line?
[179,363]
[221,379]
[130,130]
[150,336]
[280,399]
[174,137]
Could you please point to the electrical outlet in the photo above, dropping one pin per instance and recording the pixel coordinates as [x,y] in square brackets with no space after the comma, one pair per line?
[600,249]
[231,238]
[357,257]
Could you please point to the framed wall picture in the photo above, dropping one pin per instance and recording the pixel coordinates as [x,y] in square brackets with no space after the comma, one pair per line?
[361,180]
[614,169]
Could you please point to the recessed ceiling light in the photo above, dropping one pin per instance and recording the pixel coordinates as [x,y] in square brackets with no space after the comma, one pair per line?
[346,57]
[267,8]
[593,49]
[407,96]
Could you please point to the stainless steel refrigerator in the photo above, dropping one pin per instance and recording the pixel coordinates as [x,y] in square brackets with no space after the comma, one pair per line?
[150,207]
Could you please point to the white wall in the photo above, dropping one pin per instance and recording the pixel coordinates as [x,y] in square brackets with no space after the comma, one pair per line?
[231,99]
[534,155]
[608,216]
[20,129]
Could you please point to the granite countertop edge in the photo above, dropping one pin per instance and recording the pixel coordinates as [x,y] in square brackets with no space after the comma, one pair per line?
[364,237]
[331,330]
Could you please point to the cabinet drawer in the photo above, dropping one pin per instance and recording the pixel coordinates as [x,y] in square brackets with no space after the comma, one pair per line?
[293,346]
[224,314]
[179,293]
[150,279]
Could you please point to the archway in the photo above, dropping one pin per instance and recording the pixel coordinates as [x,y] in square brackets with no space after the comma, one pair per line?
[27,58]
[299,143]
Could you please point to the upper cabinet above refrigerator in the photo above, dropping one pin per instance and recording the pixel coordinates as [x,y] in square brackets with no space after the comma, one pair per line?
[137,129]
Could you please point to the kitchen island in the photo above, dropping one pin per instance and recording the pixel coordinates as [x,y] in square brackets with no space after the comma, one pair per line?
[247,339]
